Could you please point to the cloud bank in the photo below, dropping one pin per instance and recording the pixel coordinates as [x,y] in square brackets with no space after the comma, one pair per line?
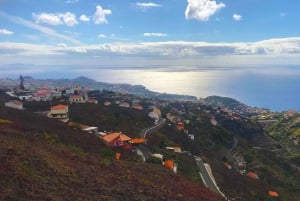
[281,50]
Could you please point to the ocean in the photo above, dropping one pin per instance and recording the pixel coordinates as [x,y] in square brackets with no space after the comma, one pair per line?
[274,88]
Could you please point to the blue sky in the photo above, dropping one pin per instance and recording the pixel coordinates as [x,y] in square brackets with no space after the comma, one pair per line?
[144,33]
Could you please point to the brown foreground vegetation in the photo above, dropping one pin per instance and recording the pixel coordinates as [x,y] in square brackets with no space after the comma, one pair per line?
[42,159]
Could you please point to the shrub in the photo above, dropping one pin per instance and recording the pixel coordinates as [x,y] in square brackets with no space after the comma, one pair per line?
[106,162]
[154,160]
[107,152]
[51,139]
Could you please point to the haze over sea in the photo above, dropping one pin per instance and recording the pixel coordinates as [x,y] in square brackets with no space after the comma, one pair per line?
[275,88]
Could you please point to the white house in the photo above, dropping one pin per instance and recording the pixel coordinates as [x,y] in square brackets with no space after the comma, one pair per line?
[60,112]
[14,104]
[25,97]
[191,136]
[76,99]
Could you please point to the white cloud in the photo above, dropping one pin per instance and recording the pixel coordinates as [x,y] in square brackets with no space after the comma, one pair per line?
[45,30]
[145,6]
[6,32]
[202,10]
[100,15]
[155,34]
[72,1]
[148,5]
[101,36]
[237,17]
[84,18]
[62,45]
[67,18]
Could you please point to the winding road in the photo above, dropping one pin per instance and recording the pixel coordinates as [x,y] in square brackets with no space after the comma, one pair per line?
[207,180]
[143,149]
[229,155]
[150,130]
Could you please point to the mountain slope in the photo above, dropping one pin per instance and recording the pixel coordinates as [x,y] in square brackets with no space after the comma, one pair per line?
[42,159]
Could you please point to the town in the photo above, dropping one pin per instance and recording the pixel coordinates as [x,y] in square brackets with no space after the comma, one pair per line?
[165,132]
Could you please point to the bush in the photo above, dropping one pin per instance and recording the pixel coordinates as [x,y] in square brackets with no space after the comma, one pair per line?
[106,162]
[51,139]
[154,160]
[107,152]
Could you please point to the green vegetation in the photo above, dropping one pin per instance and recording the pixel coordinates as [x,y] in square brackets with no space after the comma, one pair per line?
[112,118]
[4,121]
[154,160]
[51,139]
[296,132]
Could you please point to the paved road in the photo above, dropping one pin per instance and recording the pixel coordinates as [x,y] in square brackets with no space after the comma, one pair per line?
[143,148]
[150,130]
[205,176]
[229,155]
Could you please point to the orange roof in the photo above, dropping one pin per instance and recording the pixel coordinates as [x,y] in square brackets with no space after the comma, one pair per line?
[76,96]
[252,175]
[169,164]
[273,194]
[138,140]
[59,107]
[112,136]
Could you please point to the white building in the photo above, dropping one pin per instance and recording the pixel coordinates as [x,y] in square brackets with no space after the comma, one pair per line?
[14,104]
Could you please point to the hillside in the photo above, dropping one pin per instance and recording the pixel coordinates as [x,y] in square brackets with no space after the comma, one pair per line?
[231,104]
[285,130]
[217,131]
[223,136]
[42,159]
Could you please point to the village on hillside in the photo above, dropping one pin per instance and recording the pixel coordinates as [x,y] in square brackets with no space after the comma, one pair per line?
[181,119]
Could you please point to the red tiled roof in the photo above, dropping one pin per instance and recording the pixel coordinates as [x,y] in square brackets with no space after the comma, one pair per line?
[59,107]
[112,136]
[138,107]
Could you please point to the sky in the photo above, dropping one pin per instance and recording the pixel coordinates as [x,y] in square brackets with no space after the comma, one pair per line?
[128,33]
